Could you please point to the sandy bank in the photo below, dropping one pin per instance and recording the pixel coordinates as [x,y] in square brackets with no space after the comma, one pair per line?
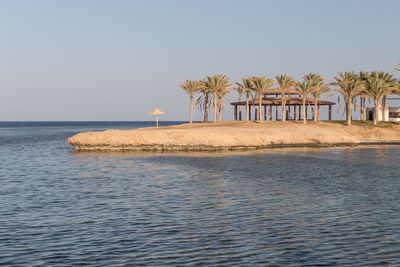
[236,135]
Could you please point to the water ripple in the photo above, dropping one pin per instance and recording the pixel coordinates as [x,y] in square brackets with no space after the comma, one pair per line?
[303,207]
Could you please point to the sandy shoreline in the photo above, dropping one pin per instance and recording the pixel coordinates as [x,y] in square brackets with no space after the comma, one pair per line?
[236,135]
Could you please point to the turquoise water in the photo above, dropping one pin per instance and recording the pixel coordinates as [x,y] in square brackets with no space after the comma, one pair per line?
[329,207]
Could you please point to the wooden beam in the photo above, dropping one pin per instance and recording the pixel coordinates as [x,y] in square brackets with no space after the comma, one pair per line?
[270,112]
[236,113]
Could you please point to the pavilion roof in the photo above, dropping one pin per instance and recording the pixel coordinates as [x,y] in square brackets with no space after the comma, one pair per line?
[289,101]
[277,91]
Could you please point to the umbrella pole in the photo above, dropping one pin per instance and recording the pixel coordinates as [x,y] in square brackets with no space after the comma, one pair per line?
[157,121]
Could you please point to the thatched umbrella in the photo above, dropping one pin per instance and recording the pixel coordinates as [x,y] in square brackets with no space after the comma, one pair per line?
[156,112]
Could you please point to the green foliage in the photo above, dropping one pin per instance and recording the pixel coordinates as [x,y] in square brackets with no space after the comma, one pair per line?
[261,85]
[318,84]
[348,85]
[304,88]
[217,83]
[245,85]
[366,85]
[191,86]
[285,82]
[313,79]
[203,101]
[378,84]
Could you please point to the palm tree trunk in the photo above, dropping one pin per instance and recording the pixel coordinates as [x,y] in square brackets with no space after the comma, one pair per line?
[319,112]
[219,109]
[206,107]
[259,108]
[240,109]
[365,109]
[376,110]
[283,107]
[383,107]
[315,109]
[304,111]
[215,107]
[348,111]
[361,108]
[191,109]
[247,106]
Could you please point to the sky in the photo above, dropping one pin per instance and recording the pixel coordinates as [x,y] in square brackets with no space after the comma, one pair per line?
[95,60]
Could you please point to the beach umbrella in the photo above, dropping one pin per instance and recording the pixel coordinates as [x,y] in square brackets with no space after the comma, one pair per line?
[156,112]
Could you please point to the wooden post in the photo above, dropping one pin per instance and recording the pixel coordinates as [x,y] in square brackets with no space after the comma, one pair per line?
[319,117]
[270,112]
[289,112]
[330,112]
[276,112]
[236,115]
[265,112]
[295,112]
[249,112]
[306,112]
[255,113]
[240,113]
[300,112]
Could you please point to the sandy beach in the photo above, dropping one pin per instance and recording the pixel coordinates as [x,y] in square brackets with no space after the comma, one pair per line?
[236,135]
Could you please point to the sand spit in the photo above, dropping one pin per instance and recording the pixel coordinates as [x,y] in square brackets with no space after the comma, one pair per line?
[236,135]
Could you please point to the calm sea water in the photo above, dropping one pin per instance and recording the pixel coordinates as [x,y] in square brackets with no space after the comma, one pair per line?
[332,207]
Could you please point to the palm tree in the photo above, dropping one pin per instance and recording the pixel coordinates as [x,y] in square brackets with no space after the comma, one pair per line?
[319,88]
[203,101]
[221,97]
[217,83]
[240,91]
[397,90]
[378,85]
[349,87]
[363,107]
[247,88]
[285,83]
[363,95]
[191,87]
[317,92]
[261,85]
[304,88]
[317,81]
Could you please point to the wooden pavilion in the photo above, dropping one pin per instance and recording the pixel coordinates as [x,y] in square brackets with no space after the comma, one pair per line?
[294,104]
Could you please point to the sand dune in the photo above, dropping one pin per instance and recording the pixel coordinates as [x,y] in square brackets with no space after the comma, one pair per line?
[236,135]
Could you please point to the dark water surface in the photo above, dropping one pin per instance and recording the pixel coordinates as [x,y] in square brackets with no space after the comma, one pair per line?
[332,207]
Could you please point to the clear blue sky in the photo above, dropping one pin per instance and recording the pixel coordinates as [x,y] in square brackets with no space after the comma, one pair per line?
[116,60]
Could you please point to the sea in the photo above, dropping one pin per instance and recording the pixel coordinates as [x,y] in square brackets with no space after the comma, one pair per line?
[277,207]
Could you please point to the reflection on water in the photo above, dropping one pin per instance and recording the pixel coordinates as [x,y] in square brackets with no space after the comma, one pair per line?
[337,206]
